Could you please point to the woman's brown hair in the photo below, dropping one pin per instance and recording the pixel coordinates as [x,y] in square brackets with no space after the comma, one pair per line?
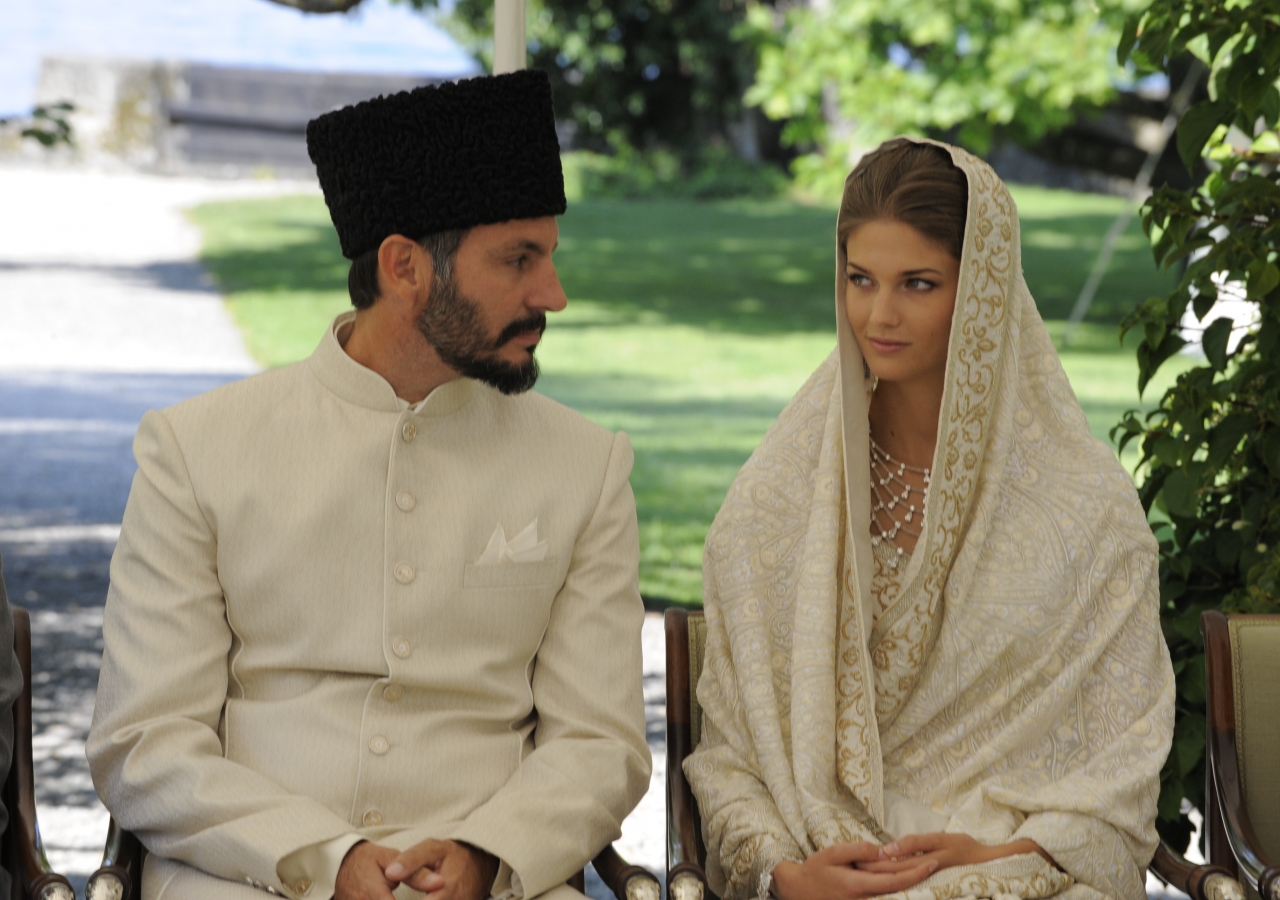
[915,184]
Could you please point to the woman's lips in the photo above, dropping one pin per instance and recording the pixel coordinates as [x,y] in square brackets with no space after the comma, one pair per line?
[880,345]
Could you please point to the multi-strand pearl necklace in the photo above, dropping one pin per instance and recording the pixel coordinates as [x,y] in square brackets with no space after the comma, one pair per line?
[891,495]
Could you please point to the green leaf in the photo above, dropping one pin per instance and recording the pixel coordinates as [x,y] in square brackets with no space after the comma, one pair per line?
[1269,111]
[1214,341]
[1226,438]
[1227,547]
[1271,451]
[1188,742]
[1253,90]
[1149,360]
[1172,589]
[1266,280]
[1128,37]
[1197,125]
[1203,303]
[1180,494]
[1168,450]
[1269,49]
[1218,39]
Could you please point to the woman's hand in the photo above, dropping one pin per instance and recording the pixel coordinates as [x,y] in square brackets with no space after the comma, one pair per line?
[945,850]
[836,874]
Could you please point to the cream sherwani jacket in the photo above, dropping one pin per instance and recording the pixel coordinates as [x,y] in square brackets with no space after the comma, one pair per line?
[301,649]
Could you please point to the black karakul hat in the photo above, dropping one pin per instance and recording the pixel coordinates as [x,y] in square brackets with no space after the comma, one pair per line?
[441,157]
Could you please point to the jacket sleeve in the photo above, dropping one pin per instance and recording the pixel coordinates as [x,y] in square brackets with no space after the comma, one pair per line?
[745,833]
[155,748]
[591,763]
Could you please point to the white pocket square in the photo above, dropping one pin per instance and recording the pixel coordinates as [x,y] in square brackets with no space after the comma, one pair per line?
[524,547]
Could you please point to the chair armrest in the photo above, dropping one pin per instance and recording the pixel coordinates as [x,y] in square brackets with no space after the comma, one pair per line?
[1200,882]
[120,875]
[627,882]
[25,848]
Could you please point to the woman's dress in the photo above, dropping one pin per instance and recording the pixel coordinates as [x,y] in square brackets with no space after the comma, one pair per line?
[1009,680]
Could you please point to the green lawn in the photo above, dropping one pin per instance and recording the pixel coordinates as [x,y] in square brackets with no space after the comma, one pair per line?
[689,326]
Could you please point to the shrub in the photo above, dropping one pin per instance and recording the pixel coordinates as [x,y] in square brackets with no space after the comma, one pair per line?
[1211,450]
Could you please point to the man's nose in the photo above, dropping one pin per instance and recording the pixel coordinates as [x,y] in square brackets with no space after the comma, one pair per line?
[549,295]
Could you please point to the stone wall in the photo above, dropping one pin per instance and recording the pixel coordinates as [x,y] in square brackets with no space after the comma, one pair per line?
[191,118]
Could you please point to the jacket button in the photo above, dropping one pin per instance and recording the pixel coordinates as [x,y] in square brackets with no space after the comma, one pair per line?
[404,573]
[410,431]
[405,501]
[392,692]
[373,817]
[401,648]
[303,887]
[379,745]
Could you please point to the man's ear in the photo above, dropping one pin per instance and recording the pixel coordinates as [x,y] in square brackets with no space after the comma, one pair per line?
[404,270]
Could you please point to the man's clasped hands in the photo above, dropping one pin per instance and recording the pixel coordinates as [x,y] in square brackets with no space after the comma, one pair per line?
[851,871]
[443,870]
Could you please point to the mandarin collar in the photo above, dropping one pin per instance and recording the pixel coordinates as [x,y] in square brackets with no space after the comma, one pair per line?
[364,387]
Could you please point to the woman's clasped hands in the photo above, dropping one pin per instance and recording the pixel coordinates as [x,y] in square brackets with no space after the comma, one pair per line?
[864,869]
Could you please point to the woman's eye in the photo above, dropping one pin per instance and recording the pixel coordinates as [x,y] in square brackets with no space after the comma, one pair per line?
[920,284]
[858,280]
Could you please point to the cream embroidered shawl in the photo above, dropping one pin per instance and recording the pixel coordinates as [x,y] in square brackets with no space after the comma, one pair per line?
[1019,687]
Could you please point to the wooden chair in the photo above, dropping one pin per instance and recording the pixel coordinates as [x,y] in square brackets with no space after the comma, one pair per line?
[686,853]
[123,856]
[1242,658]
[21,850]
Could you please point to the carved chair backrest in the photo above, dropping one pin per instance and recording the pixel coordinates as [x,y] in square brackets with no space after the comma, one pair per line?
[1255,677]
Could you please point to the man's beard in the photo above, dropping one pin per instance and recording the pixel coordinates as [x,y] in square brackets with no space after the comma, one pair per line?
[452,324]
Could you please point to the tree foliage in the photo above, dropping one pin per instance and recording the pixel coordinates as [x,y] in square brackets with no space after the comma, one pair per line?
[47,125]
[1211,450]
[1017,67]
[646,73]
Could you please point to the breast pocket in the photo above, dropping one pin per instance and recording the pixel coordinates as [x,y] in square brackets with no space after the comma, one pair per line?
[511,576]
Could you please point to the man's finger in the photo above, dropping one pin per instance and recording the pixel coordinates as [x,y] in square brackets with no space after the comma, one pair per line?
[426,853]
[844,854]
[425,880]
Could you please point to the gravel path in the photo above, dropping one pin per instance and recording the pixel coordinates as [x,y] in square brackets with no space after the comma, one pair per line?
[107,314]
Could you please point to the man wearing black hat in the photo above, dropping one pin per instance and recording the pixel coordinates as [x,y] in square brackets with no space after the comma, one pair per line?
[373,625]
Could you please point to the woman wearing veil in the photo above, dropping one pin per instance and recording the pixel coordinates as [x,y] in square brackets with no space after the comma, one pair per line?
[934,662]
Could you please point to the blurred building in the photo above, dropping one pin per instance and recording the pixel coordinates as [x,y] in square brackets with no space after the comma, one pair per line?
[211,86]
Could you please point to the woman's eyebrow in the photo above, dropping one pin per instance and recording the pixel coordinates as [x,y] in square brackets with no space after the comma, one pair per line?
[906,274]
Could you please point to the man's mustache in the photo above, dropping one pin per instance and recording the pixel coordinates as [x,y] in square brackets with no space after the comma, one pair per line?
[536,322]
